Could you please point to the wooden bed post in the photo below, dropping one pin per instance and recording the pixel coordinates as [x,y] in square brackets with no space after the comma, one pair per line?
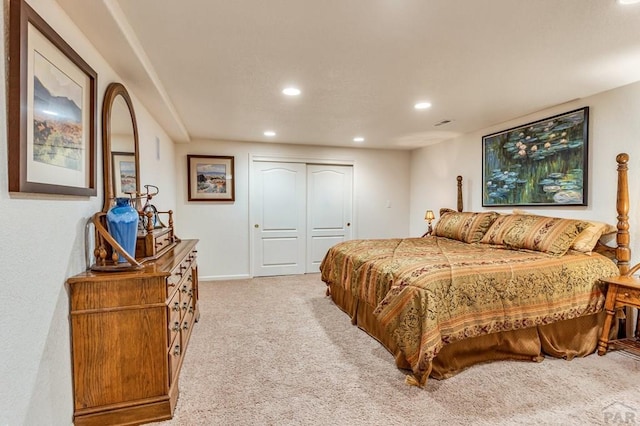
[623,252]
[459,178]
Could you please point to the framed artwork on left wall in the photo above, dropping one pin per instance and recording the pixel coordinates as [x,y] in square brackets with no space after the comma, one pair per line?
[51,110]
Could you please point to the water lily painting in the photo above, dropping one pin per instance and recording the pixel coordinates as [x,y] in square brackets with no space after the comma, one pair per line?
[543,163]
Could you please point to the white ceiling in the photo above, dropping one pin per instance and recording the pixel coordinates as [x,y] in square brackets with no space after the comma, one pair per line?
[214,69]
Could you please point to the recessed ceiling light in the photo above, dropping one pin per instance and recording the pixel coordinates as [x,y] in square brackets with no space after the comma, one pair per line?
[269,133]
[358,139]
[422,105]
[291,91]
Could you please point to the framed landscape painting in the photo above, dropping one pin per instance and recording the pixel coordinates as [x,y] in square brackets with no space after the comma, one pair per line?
[210,178]
[124,173]
[543,163]
[51,110]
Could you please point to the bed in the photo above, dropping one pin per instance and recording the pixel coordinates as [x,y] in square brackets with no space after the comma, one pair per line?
[484,286]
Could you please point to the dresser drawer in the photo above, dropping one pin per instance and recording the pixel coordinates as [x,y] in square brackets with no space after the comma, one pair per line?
[163,241]
[150,244]
[174,316]
[628,296]
[177,275]
[180,272]
[174,355]
[186,287]
[187,320]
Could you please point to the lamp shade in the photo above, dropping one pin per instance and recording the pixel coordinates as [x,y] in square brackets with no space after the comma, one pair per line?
[429,216]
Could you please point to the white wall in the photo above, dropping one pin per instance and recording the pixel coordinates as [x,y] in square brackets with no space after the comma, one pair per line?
[157,160]
[224,228]
[614,127]
[41,245]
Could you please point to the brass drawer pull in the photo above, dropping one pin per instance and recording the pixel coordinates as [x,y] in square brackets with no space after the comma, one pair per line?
[176,326]
[176,307]
[185,326]
[176,350]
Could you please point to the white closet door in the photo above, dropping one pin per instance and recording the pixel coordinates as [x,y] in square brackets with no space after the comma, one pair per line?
[278,214]
[329,210]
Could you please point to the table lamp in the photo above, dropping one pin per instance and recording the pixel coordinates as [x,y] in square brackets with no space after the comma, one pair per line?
[428,217]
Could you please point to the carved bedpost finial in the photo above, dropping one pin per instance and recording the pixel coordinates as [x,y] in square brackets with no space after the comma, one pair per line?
[459,178]
[622,158]
[623,252]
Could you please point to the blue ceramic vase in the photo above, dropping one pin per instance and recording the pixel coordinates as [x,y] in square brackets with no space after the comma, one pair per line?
[122,223]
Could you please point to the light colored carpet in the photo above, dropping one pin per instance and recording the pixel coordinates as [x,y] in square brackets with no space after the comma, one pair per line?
[276,351]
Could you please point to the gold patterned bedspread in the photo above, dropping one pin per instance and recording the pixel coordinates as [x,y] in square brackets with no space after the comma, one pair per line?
[428,292]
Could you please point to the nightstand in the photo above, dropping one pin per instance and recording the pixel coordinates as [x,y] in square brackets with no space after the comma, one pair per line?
[622,291]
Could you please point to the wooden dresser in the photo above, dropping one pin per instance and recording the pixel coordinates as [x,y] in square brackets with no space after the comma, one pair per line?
[129,334]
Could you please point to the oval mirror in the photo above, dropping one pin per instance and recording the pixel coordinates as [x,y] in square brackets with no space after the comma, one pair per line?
[119,145]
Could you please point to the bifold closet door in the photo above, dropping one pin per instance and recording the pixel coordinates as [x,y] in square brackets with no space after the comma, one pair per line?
[278,213]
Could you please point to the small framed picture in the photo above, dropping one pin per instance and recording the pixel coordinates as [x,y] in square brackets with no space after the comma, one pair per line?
[124,173]
[210,178]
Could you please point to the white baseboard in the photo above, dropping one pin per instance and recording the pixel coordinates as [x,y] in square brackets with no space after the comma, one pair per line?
[224,277]
[238,277]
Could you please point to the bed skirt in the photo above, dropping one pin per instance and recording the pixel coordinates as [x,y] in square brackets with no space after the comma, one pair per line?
[564,339]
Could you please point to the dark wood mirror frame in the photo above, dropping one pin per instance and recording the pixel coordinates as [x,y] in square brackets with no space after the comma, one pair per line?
[113,91]
[106,247]
[156,238]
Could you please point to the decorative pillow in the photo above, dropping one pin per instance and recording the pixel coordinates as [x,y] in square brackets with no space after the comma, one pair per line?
[467,227]
[587,239]
[550,235]
[495,234]
[607,238]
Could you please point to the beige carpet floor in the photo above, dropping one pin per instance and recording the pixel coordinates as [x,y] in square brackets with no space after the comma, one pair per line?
[276,351]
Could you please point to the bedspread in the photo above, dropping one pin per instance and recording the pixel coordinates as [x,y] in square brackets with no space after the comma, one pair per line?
[428,292]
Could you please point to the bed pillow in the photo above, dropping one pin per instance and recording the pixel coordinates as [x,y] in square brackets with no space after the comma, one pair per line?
[550,235]
[467,227]
[502,224]
[588,238]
